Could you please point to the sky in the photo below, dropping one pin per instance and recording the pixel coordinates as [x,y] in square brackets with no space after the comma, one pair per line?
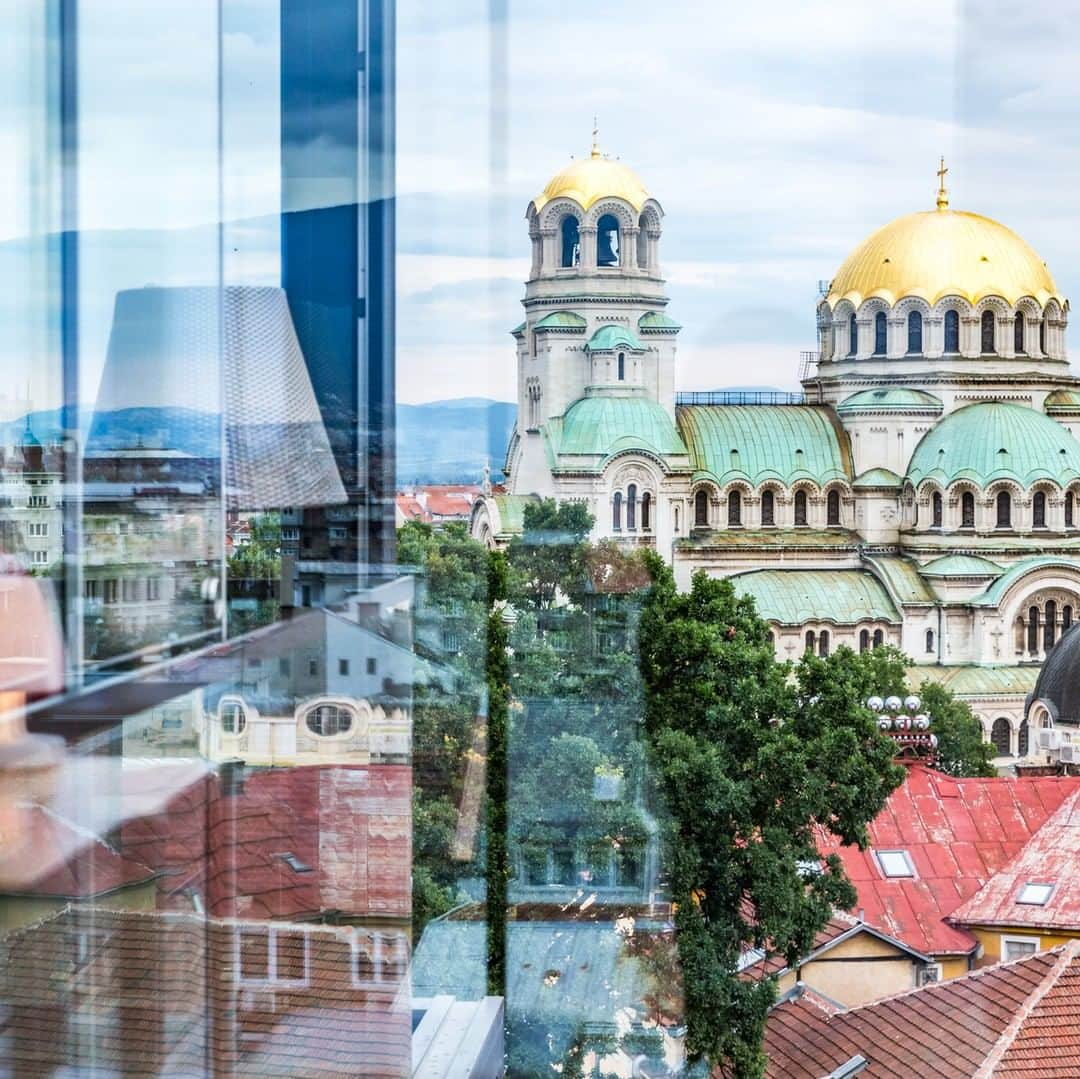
[776,137]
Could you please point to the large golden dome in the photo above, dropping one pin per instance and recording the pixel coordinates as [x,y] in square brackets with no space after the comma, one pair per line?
[940,253]
[592,178]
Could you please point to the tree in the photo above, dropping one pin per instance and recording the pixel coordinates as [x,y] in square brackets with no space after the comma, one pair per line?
[751,756]
[962,749]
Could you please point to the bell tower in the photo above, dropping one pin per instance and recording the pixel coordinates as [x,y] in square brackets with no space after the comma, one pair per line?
[595,321]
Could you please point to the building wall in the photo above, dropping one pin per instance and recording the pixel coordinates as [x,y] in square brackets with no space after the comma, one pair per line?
[990,938]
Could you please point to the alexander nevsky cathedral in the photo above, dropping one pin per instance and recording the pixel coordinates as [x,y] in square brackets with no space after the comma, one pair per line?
[921,491]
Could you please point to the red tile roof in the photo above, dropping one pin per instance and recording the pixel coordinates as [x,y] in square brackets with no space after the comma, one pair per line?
[411,509]
[132,993]
[950,1030]
[958,834]
[1051,856]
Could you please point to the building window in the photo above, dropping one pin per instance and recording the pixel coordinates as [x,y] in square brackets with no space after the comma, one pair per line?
[1017,947]
[153,588]
[811,640]
[881,334]
[1022,739]
[616,512]
[112,590]
[1033,630]
[833,509]
[701,508]
[1038,510]
[40,529]
[631,507]
[1066,617]
[41,558]
[1001,737]
[879,638]
[451,641]
[1004,510]
[37,502]
[1042,336]
[233,716]
[129,590]
[607,241]
[372,665]
[1035,894]
[936,509]
[914,332]
[91,590]
[967,510]
[768,509]
[734,509]
[929,642]
[823,643]
[571,242]
[1018,334]
[327,720]
[622,367]
[1069,503]
[342,666]
[646,512]
[271,955]
[894,863]
[988,333]
[952,331]
[312,667]
[1050,626]
[853,336]
[800,509]
[864,640]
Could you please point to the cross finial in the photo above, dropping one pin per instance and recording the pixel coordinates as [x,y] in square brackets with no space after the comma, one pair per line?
[942,194]
[595,138]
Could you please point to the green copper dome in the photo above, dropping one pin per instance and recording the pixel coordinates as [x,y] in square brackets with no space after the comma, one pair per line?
[890,399]
[598,427]
[611,337]
[995,440]
[794,596]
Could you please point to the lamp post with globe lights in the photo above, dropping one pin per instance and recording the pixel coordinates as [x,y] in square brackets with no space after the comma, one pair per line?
[909,727]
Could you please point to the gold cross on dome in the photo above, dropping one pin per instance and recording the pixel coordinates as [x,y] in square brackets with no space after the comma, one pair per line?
[595,138]
[942,194]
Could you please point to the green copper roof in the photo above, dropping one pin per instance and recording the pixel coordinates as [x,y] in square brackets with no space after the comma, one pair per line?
[892,399]
[609,337]
[600,426]
[759,442]
[996,440]
[992,596]
[972,681]
[903,580]
[561,320]
[772,537]
[961,565]
[878,477]
[512,511]
[657,320]
[518,329]
[792,597]
[1063,401]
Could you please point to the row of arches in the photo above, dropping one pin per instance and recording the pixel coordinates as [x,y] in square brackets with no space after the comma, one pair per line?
[1039,626]
[630,509]
[769,504]
[987,335]
[1001,737]
[1003,506]
[610,235]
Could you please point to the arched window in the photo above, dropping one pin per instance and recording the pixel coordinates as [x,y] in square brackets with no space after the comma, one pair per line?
[1066,617]
[800,509]
[616,512]
[1033,630]
[701,508]
[676,518]
[631,507]
[734,509]
[642,244]
[823,643]
[607,241]
[1038,510]
[811,640]
[326,720]
[571,242]
[1004,510]
[936,509]
[768,508]
[1050,627]
[952,331]
[914,332]
[879,638]
[1022,739]
[864,640]
[881,334]
[622,366]
[967,510]
[832,504]
[1069,502]
[929,641]
[233,716]
[1042,336]
[1018,334]
[1001,737]
[646,512]
[988,332]
[853,336]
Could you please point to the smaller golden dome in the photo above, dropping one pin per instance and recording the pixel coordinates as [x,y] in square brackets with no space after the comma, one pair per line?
[592,178]
[940,253]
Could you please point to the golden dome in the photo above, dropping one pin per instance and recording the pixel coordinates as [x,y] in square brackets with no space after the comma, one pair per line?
[592,178]
[940,253]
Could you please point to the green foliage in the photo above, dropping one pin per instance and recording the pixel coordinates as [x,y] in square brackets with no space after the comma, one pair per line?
[961,749]
[751,755]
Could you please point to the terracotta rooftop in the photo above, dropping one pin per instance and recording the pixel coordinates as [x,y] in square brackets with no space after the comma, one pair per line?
[1016,1019]
[1050,858]
[957,833]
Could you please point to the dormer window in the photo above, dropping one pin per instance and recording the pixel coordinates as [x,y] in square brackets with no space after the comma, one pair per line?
[1035,894]
[895,864]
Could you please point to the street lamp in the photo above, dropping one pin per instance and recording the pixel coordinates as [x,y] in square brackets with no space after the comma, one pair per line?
[907,725]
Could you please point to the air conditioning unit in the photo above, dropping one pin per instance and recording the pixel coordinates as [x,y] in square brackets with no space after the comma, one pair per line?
[1069,754]
[1049,739]
[930,973]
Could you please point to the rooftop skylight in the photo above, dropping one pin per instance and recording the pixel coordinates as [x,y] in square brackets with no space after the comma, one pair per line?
[895,863]
[1035,894]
